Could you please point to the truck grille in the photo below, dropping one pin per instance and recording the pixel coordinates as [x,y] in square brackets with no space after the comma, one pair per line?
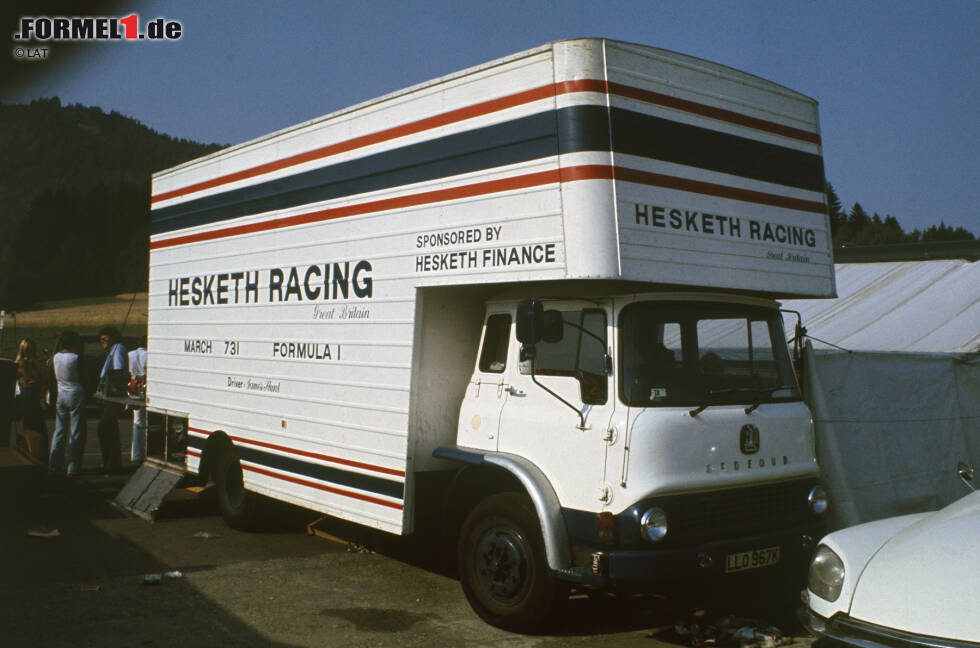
[736,512]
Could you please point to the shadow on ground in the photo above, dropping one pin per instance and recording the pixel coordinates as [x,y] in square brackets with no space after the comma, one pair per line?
[85,587]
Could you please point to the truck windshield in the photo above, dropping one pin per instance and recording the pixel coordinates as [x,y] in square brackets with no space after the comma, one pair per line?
[684,353]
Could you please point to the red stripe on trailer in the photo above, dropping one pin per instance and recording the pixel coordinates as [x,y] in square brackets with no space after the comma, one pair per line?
[453,116]
[712,112]
[324,487]
[567,174]
[496,105]
[303,453]
[722,191]
[321,457]
[401,202]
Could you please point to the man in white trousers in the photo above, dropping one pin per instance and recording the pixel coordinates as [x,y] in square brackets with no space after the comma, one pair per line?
[137,370]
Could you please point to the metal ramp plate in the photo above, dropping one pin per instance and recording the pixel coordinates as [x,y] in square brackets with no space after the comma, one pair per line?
[146,489]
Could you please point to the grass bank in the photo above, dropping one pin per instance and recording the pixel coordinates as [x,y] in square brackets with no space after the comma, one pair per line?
[43,322]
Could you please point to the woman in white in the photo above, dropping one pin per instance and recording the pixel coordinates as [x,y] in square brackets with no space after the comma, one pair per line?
[68,412]
[137,370]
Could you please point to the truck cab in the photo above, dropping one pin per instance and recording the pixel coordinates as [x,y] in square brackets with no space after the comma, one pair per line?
[658,437]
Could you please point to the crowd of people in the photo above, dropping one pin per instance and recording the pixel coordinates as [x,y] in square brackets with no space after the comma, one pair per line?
[121,371]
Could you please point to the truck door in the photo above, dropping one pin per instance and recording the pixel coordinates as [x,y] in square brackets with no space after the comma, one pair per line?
[487,392]
[558,415]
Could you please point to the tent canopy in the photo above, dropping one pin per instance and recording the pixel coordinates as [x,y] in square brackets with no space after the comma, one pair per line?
[911,306]
[893,381]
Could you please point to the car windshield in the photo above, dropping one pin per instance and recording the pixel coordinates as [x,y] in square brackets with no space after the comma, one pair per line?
[684,353]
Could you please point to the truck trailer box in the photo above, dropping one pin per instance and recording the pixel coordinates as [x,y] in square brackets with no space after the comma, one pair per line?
[318,295]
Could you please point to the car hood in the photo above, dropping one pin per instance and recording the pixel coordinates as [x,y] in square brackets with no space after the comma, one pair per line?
[924,579]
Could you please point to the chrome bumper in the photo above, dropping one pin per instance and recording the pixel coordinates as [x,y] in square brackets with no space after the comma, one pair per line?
[856,633]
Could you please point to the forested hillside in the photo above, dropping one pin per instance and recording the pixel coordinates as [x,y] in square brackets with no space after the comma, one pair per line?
[74,195]
[857,227]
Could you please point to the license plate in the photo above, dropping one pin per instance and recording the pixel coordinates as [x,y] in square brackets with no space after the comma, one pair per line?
[737,562]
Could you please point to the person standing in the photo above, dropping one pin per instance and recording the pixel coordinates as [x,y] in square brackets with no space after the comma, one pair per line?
[112,383]
[8,378]
[137,371]
[68,408]
[30,384]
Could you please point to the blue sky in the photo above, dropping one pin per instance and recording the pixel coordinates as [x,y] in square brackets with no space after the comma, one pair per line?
[898,82]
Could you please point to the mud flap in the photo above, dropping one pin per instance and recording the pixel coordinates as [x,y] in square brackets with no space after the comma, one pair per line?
[145,490]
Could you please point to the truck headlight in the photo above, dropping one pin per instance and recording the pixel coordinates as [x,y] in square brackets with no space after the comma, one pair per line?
[817,499]
[826,578]
[653,524]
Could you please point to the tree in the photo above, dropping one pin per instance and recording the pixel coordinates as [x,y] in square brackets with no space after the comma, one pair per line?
[945,233]
[76,200]
[858,219]
[835,211]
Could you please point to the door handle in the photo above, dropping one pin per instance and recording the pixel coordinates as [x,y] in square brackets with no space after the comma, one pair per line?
[514,391]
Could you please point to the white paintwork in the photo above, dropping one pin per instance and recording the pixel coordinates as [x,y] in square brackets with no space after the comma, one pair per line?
[662,450]
[390,391]
[916,573]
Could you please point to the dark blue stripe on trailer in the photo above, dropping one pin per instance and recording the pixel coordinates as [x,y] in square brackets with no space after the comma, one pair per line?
[568,130]
[320,472]
[338,476]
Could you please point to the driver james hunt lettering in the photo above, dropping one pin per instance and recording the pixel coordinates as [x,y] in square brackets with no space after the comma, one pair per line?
[686,220]
[251,385]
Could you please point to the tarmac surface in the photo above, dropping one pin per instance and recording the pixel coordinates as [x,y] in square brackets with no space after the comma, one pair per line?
[108,579]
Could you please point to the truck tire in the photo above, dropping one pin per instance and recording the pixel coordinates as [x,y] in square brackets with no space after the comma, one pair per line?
[502,564]
[238,506]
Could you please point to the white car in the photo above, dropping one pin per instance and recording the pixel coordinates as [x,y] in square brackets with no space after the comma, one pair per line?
[908,581]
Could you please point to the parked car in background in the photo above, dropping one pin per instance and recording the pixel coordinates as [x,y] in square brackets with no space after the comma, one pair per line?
[912,580]
[92,356]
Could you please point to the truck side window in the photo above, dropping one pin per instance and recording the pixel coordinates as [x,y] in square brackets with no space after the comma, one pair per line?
[493,355]
[653,363]
[580,353]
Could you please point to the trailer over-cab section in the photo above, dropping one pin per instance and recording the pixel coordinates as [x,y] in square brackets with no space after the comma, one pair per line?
[579,159]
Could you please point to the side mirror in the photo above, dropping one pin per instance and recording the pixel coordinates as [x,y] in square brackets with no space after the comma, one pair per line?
[966,475]
[552,326]
[530,316]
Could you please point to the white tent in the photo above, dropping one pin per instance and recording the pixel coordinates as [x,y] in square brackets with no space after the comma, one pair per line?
[893,380]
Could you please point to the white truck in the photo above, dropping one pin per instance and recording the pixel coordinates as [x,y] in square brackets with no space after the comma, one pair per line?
[538,294]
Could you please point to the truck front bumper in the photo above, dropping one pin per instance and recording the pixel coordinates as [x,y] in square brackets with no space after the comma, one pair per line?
[722,559]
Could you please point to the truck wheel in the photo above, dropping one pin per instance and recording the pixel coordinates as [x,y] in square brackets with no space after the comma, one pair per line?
[238,506]
[502,565]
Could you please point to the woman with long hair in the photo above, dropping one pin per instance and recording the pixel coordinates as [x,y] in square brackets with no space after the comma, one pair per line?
[30,383]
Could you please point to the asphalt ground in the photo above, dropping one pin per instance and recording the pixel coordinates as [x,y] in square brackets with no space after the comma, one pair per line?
[109,580]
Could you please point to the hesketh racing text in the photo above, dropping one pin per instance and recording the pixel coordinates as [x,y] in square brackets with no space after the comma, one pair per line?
[318,282]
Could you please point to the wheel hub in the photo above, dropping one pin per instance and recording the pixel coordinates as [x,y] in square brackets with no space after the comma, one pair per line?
[502,564]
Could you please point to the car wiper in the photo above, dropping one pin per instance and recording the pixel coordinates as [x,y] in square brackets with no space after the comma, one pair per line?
[733,390]
[715,392]
[768,392]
